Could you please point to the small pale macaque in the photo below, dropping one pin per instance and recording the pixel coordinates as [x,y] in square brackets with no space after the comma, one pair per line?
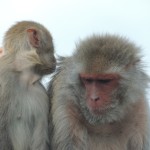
[98,97]
[24,103]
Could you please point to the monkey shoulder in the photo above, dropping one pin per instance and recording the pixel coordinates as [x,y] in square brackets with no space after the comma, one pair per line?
[129,131]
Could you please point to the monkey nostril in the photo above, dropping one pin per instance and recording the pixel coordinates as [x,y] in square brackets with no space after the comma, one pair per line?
[95,98]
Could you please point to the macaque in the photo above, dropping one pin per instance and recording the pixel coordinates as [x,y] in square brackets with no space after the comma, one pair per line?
[24,103]
[98,97]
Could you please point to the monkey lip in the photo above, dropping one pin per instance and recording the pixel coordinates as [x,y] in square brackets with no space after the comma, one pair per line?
[96,107]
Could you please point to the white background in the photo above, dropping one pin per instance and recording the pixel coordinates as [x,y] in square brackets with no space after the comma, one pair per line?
[71,20]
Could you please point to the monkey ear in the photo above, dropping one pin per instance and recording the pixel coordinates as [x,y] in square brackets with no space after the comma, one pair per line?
[1,50]
[132,63]
[34,37]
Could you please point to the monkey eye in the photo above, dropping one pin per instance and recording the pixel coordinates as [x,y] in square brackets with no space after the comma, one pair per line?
[87,80]
[104,81]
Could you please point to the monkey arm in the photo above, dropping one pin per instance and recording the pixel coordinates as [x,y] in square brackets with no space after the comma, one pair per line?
[136,144]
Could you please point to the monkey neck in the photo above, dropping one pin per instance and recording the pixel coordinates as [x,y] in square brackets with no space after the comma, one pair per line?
[130,119]
[28,77]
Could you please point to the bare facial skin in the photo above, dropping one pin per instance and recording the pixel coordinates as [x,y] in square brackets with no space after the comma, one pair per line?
[98,97]
[98,90]
[24,104]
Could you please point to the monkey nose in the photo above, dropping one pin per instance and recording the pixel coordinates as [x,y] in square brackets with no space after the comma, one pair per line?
[95,98]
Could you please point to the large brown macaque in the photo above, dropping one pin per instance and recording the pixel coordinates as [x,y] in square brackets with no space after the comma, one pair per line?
[98,97]
[24,104]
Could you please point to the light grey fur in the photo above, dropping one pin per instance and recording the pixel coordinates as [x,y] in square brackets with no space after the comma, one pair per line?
[125,123]
[24,104]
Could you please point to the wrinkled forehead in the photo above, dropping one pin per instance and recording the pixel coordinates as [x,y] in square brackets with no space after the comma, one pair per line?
[98,65]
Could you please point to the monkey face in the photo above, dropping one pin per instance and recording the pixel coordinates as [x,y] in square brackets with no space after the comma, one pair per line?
[100,96]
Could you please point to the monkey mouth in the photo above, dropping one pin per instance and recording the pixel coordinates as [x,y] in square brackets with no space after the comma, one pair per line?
[98,115]
[98,107]
[99,111]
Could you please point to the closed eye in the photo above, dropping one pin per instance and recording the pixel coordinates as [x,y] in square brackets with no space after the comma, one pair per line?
[104,81]
[88,80]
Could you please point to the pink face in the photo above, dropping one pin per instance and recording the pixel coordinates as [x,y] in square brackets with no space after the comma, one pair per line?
[99,88]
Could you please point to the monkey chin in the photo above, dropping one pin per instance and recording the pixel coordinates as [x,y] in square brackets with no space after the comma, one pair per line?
[96,116]
[107,113]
